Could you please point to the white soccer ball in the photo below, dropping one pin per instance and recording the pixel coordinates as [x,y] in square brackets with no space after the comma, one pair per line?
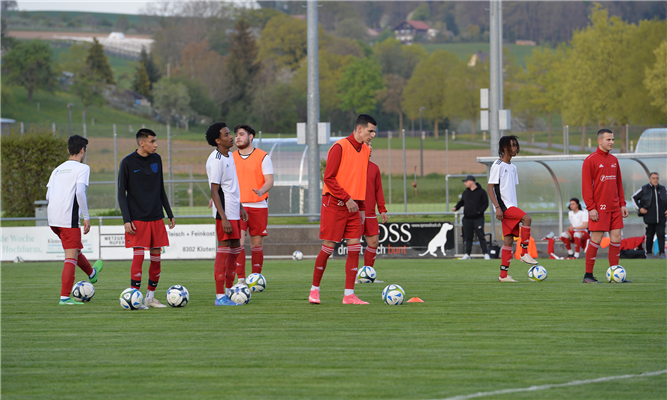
[616,274]
[83,291]
[537,273]
[240,294]
[178,296]
[393,295]
[256,282]
[297,256]
[131,299]
[366,274]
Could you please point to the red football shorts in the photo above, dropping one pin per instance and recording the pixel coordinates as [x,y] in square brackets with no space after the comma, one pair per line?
[257,220]
[511,218]
[70,237]
[148,234]
[337,223]
[607,221]
[371,226]
[236,230]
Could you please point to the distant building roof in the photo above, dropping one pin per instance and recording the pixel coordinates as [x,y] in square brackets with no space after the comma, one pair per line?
[419,25]
[300,16]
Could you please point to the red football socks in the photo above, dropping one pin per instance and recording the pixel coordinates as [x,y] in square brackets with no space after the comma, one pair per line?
[67,277]
[321,264]
[614,253]
[369,256]
[83,263]
[525,239]
[257,259]
[591,253]
[154,271]
[352,265]
[135,270]
[231,265]
[219,269]
[505,258]
[240,263]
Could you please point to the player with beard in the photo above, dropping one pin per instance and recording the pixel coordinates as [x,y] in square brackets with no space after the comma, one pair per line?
[254,170]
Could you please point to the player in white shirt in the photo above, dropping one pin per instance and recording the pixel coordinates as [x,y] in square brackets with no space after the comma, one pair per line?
[227,209]
[255,172]
[66,194]
[503,179]
[577,232]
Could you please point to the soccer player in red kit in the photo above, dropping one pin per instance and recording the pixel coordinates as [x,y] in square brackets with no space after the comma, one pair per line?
[342,199]
[371,227]
[602,191]
[66,194]
[503,179]
[141,197]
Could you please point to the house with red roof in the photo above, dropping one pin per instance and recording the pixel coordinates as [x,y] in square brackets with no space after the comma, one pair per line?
[407,30]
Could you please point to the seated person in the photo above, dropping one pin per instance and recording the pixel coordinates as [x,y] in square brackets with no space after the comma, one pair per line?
[577,232]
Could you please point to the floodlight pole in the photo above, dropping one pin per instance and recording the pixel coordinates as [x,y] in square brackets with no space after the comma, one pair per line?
[313,106]
[494,90]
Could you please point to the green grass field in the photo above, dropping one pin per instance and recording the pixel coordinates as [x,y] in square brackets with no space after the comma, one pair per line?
[472,334]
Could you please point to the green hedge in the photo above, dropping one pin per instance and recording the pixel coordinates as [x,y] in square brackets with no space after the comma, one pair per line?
[27,162]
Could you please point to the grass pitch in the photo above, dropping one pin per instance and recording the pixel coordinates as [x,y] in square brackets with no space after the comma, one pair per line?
[472,334]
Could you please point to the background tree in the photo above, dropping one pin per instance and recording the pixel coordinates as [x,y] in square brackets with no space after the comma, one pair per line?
[241,68]
[98,63]
[474,77]
[172,100]
[142,83]
[28,64]
[656,79]
[152,69]
[391,97]
[358,87]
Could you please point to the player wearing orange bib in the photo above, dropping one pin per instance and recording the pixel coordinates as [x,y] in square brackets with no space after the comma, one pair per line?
[342,198]
[255,173]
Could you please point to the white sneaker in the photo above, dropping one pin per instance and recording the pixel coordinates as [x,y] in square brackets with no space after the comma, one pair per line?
[570,253]
[576,255]
[487,257]
[152,302]
[507,279]
[142,307]
[528,259]
[465,257]
[241,281]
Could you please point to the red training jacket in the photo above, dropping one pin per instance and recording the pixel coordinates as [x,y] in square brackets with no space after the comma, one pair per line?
[374,191]
[601,182]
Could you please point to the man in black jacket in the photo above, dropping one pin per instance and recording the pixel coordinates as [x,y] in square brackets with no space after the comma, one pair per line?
[475,202]
[651,200]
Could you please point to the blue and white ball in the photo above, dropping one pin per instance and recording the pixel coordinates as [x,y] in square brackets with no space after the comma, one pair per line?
[366,274]
[178,296]
[393,295]
[256,282]
[297,256]
[83,291]
[131,299]
[537,273]
[240,294]
[616,274]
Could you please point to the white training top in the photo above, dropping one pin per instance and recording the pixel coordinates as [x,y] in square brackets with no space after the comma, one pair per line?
[578,218]
[67,194]
[267,169]
[222,170]
[505,177]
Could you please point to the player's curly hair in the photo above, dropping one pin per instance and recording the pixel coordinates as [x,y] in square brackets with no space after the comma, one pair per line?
[505,144]
[213,132]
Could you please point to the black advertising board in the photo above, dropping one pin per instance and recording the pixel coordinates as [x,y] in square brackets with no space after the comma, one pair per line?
[411,240]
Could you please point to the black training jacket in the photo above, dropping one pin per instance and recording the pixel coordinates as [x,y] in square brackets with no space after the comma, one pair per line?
[141,194]
[475,202]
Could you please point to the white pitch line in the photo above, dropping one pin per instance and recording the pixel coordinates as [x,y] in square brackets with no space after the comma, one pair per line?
[544,387]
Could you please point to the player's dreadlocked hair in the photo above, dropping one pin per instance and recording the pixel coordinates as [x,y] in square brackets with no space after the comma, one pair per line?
[505,144]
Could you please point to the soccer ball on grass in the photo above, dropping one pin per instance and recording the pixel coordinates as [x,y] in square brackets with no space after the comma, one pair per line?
[83,291]
[240,294]
[178,296]
[616,274]
[297,256]
[537,273]
[131,299]
[256,282]
[366,274]
[393,295]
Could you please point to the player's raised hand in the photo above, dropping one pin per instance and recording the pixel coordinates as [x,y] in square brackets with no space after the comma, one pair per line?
[86,227]
[257,192]
[351,205]
[130,228]
[593,215]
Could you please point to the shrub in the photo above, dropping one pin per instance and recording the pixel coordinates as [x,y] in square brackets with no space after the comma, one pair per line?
[27,162]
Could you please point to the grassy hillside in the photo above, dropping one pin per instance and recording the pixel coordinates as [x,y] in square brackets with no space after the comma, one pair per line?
[465,50]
